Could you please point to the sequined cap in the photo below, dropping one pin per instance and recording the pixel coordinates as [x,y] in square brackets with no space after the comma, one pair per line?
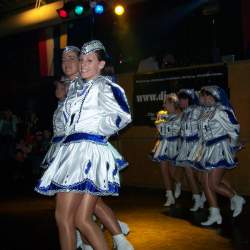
[188,92]
[92,46]
[71,48]
[214,90]
[219,93]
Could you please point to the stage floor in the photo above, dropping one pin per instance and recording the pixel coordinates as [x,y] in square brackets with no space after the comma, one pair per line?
[27,222]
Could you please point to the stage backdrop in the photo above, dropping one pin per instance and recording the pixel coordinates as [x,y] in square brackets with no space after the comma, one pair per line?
[136,142]
[150,89]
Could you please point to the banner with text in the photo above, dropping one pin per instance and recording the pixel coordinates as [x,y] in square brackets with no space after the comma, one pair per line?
[150,89]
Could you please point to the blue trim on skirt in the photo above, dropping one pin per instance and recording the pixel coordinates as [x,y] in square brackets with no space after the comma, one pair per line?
[165,158]
[170,138]
[190,138]
[86,186]
[121,164]
[216,140]
[57,139]
[85,136]
[209,166]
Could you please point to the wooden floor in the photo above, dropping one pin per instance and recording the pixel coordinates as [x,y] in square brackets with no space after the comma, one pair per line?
[27,222]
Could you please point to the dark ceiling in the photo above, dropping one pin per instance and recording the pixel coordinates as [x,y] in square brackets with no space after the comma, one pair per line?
[9,7]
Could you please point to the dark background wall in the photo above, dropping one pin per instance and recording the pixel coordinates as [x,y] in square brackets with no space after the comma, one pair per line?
[149,28]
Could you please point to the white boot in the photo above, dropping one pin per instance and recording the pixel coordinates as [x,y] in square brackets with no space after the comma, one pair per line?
[197,203]
[214,217]
[203,199]
[80,244]
[121,243]
[125,230]
[87,247]
[170,198]
[237,204]
[124,227]
[94,218]
[232,204]
[177,191]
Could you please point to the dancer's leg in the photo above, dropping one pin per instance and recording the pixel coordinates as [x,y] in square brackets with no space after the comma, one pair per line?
[168,182]
[227,184]
[84,222]
[107,217]
[165,170]
[176,176]
[198,202]
[191,180]
[218,185]
[210,194]
[215,177]
[66,206]
[214,211]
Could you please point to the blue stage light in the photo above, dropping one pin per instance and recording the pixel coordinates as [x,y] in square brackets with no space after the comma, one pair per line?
[99,9]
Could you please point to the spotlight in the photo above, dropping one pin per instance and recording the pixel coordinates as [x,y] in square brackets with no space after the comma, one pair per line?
[79,9]
[99,9]
[63,13]
[119,10]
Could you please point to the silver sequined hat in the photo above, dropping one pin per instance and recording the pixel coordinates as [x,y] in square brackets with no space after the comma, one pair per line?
[71,48]
[189,92]
[92,46]
[214,90]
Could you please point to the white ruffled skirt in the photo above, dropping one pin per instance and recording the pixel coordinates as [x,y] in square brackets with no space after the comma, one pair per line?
[167,150]
[52,152]
[185,148]
[84,167]
[217,155]
[50,155]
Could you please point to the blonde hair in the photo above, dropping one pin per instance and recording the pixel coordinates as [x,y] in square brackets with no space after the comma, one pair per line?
[173,99]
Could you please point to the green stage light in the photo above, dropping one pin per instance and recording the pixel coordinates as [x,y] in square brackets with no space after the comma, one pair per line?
[79,9]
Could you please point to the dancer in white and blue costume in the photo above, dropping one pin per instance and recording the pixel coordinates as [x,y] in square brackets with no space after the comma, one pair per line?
[59,121]
[189,131]
[91,122]
[189,137]
[58,124]
[219,131]
[166,150]
[169,136]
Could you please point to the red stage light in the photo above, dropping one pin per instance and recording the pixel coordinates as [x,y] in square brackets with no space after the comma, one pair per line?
[62,13]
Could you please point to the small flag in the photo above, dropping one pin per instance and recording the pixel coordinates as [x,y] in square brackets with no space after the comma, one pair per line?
[46,53]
